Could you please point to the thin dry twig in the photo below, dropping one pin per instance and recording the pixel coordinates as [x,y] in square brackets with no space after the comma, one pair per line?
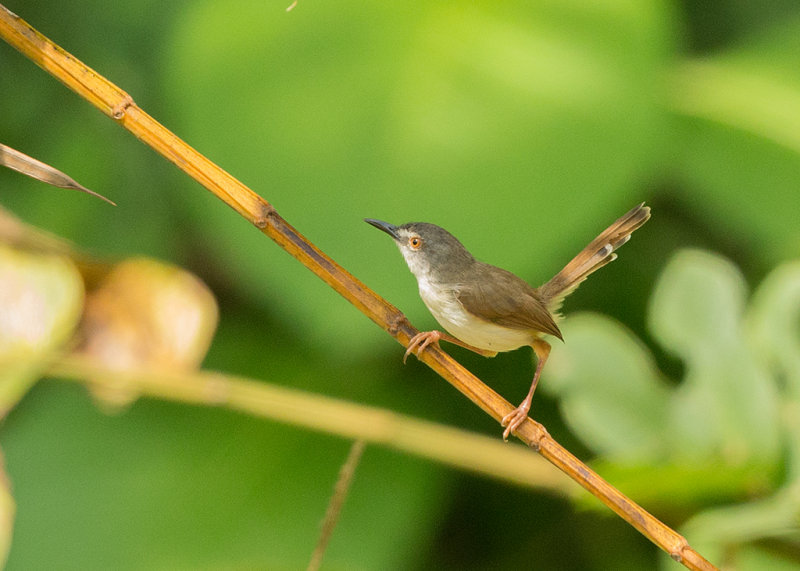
[337,501]
[118,105]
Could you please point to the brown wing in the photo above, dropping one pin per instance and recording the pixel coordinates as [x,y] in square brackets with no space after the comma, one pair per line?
[518,307]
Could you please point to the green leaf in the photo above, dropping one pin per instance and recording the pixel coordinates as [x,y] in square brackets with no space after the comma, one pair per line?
[726,409]
[745,527]
[722,433]
[610,390]
[727,405]
[774,323]
[739,133]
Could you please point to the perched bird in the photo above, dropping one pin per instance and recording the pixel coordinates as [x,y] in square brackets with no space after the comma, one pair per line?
[488,309]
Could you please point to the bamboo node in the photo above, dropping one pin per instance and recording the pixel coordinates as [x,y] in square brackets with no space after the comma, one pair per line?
[118,110]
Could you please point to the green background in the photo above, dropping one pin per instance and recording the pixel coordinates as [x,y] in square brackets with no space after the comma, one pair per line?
[522,127]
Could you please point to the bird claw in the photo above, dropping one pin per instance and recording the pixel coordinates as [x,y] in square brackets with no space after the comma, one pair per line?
[513,419]
[420,341]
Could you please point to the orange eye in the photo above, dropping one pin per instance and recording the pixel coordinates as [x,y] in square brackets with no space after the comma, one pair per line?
[415,242]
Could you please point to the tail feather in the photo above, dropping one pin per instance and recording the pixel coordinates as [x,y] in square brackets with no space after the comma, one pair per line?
[597,254]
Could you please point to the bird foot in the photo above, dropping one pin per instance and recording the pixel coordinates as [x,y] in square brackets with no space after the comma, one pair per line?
[420,341]
[513,419]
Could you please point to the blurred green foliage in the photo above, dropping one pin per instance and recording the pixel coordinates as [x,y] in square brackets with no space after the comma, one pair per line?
[522,127]
[727,434]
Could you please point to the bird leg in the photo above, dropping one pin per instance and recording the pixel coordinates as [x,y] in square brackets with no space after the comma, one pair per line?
[424,338]
[516,417]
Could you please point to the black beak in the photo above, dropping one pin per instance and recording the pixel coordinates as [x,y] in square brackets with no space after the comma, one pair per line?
[390,229]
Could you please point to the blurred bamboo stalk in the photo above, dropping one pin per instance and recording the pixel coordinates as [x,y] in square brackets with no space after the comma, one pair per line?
[451,446]
[118,105]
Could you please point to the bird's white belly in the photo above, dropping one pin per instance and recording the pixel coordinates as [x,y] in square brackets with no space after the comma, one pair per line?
[474,331]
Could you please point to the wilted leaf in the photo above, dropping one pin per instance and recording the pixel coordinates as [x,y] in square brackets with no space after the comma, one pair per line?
[29,166]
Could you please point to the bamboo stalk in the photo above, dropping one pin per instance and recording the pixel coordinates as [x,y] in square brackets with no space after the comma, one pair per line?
[120,106]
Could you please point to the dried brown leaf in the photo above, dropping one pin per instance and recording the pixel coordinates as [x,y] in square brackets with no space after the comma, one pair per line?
[33,168]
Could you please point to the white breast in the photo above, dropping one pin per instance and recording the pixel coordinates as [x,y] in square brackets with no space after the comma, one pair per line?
[452,316]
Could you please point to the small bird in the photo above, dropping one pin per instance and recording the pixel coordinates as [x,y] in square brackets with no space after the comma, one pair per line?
[487,309]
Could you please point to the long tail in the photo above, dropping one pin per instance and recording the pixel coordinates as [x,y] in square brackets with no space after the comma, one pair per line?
[597,254]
